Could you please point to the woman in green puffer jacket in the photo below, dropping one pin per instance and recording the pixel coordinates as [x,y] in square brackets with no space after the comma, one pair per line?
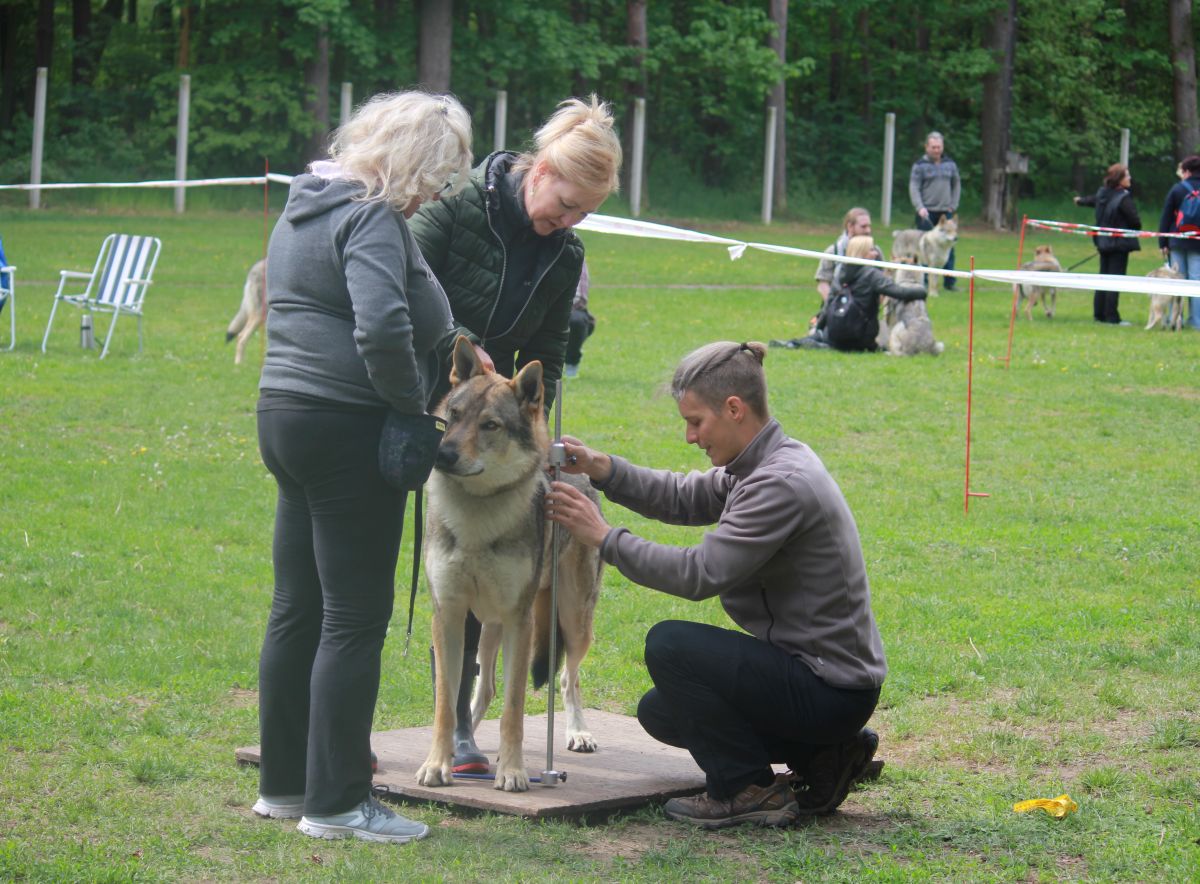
[505,254]
[503,248]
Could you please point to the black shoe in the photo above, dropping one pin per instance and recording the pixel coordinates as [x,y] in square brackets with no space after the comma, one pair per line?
[827,779]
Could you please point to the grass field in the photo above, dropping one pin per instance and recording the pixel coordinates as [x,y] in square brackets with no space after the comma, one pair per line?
[1047,642]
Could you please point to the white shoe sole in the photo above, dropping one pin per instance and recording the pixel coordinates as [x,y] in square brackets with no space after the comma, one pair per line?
[334,833]
[278,811]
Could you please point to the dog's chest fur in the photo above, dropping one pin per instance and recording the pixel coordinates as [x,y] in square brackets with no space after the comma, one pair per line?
[486,551]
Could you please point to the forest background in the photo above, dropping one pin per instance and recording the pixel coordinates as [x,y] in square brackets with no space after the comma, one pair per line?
[1053,80]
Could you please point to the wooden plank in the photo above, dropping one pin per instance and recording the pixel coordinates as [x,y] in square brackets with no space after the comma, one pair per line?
[629,769]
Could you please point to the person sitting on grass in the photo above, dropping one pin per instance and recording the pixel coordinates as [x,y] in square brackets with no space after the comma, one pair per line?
[851,323]
[800,683]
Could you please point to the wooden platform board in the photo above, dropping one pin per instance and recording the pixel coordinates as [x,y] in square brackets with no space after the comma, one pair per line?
[629,769]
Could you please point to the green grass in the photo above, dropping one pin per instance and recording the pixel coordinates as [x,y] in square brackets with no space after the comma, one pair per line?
[1045,643]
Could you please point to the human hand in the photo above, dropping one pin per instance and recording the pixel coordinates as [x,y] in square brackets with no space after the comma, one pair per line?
[1075,199]
[923,212]
[484,359]
[581,460]
[1166,253]
[571,508]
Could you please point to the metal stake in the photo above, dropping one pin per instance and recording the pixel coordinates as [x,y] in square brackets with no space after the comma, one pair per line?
[558,456]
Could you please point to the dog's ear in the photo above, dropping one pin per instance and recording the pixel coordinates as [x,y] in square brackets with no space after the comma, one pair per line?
[528,385]
[466,362]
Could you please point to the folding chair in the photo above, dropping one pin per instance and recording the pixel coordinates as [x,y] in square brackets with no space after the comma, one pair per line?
[117,284]
[8,283]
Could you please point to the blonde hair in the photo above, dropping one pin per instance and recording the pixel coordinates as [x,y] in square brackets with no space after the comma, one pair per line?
[578,145]
[405,145]
[717,371]
[860,247]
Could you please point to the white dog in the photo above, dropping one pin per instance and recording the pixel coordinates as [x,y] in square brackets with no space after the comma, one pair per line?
[1166,309]
[250,313]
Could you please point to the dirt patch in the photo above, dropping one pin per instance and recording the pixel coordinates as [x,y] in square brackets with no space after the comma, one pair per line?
[1189,393]
[240,698]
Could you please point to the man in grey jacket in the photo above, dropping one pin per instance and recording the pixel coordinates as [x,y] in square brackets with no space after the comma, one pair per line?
[800,682]
[934,188]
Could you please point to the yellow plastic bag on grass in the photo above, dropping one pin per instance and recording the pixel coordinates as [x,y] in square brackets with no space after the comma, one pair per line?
[1057,807]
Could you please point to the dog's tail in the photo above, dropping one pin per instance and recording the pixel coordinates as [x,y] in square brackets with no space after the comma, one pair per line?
[237,323]
[540,669]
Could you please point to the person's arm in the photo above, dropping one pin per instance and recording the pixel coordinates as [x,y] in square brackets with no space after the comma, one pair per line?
[433,228]
[882,285]
[1166,223]
[914,190]
[1132,220]
[1085,200]
[955,189]
[763,513]
[376,261]
[549,343]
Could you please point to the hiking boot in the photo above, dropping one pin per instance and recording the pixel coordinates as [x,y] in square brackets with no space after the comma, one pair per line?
[774,342]
[369,821]
[773,805]
[286,807]
[831,772]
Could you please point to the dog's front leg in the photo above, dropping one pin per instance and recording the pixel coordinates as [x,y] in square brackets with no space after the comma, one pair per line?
[510,770]
[447,627]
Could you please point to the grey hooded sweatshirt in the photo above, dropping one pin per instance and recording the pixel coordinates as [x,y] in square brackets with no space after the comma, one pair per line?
[355,316]
[785,558]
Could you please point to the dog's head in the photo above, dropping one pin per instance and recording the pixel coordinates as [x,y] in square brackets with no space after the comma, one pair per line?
[495,428]
[1166,271]
[1043,254]
[948,225]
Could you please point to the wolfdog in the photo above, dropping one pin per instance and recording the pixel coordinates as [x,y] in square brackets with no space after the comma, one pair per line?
[930,248]
[250,313]
[906,329]
[488,549]
[1166,309]
[1044,260]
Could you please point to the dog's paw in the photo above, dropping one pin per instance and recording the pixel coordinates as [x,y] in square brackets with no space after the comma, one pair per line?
[436,772]
[581,741]
[512,780]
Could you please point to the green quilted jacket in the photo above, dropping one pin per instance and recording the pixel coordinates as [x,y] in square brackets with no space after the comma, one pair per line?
[459,240]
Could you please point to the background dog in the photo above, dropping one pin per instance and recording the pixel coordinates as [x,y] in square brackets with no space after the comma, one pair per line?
[906,246]
[906,329]
[488,550]
[1166,309]
[1044,260]
[933,249]
[249,315]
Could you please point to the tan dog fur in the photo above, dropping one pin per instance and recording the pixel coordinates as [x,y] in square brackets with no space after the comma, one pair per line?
[1166,310]
[1043,260]
[488,549]
[250,313]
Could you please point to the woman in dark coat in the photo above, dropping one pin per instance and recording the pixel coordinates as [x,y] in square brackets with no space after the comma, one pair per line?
[1114,208]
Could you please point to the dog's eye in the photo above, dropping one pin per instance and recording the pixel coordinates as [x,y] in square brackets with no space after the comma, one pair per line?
[490,425]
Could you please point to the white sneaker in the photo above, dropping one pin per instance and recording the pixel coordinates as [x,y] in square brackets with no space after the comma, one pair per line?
[571,371]
[287,807]
[370,821]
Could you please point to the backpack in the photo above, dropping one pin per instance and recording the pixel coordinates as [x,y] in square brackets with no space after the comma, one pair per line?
[1187,217]
[846,323]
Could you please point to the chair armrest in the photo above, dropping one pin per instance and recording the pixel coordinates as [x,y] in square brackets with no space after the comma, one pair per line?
[74,274]
[8,269]
[135,279]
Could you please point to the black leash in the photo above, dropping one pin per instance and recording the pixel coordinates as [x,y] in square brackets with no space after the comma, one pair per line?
[1077,263]
[416,568]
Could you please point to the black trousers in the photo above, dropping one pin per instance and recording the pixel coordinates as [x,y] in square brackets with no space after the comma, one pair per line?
[737,704]
[581,326]
[337,538]
[1104,304]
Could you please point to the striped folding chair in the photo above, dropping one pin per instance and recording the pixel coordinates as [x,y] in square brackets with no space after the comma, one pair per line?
[117,284]
[8,283]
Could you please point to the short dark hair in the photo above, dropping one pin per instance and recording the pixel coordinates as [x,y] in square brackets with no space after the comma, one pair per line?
[1115,175]
[1191,165]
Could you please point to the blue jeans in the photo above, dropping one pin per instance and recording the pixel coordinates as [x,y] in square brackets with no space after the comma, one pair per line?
[1188,263]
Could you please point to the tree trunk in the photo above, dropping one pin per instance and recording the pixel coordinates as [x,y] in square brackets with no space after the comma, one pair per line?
[433,52]
[1183,75]
[868,81]
[8,83]
[316,79]
[43,49]
[635,13]
[81,32]
[778,100]
[997,110]
[184,60]
[835,56]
